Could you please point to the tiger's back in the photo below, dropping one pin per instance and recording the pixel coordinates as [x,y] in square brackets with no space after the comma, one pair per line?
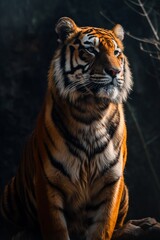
[71,180]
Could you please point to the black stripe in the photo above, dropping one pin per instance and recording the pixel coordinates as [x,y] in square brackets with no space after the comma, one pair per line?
[49,136]
[63,61]
[114,124]
[70,139]
[104,106]
[81,88]
[57,188]
[73,69]
[8,206]
[88,31]
[111,129]
[71,56]
[110,120]
[96,87]
[74,151]
[54,186]
[80,105]
[32,212]
[99,149]
[106,185]
[87,42]
[111,164]
[56,164]
[77,41]
[91,36]
[77,106]
[88,120]
[90,221]
[63,57]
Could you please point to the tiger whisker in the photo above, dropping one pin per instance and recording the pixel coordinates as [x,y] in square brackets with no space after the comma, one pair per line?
[76,84]
[101,81]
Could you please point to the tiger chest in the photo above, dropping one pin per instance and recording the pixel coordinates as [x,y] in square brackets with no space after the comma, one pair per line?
[98,164]
[97,155]
[88,198]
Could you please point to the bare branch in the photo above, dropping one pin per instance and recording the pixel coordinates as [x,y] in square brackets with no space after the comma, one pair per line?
[153,54]
[152,140]
[147,51]
[107,18]
[149,20]
[157,57]
[127,2]
[156,45]
[149,10]
[134,3]
[145,40]
[142,14]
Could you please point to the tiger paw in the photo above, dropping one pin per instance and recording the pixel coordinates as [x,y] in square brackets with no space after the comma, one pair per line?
[144,223]
[143,229]
[151,229]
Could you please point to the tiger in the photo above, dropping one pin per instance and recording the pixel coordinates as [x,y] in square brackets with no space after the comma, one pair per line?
[70,182]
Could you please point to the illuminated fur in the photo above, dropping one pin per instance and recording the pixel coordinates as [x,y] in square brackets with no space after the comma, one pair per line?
[70,180]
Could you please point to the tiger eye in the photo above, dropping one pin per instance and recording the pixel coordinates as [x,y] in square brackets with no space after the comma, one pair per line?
[116,52]
[91,49]
[85,55]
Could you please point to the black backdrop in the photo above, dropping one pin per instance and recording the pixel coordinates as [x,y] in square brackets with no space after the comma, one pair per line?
[27,43]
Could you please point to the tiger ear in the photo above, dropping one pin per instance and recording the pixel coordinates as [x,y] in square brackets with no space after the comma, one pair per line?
[118,31]
[64,28]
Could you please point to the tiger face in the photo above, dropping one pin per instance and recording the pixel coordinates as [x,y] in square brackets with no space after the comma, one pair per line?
[90,63]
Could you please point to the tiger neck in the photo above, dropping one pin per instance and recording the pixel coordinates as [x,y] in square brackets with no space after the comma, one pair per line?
[84,111]
[83,114]
[81,128]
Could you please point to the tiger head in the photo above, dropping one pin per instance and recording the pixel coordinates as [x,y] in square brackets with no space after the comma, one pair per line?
[90,62]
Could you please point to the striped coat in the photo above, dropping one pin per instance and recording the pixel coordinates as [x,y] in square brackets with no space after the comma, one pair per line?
[70,181]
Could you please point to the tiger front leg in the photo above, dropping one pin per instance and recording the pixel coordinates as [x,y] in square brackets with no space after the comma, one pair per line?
[50,213]
[105,213]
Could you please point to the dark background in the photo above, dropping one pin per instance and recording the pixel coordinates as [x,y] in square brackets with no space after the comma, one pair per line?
[27,44]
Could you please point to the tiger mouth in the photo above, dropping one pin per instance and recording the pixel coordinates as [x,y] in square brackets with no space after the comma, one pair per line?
[98,78]
[106,87]
[106,81]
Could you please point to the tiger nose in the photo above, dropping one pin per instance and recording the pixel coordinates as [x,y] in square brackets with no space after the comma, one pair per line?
[113,71]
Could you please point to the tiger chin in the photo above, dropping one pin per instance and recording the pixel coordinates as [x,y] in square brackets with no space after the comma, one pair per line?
[70,182]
